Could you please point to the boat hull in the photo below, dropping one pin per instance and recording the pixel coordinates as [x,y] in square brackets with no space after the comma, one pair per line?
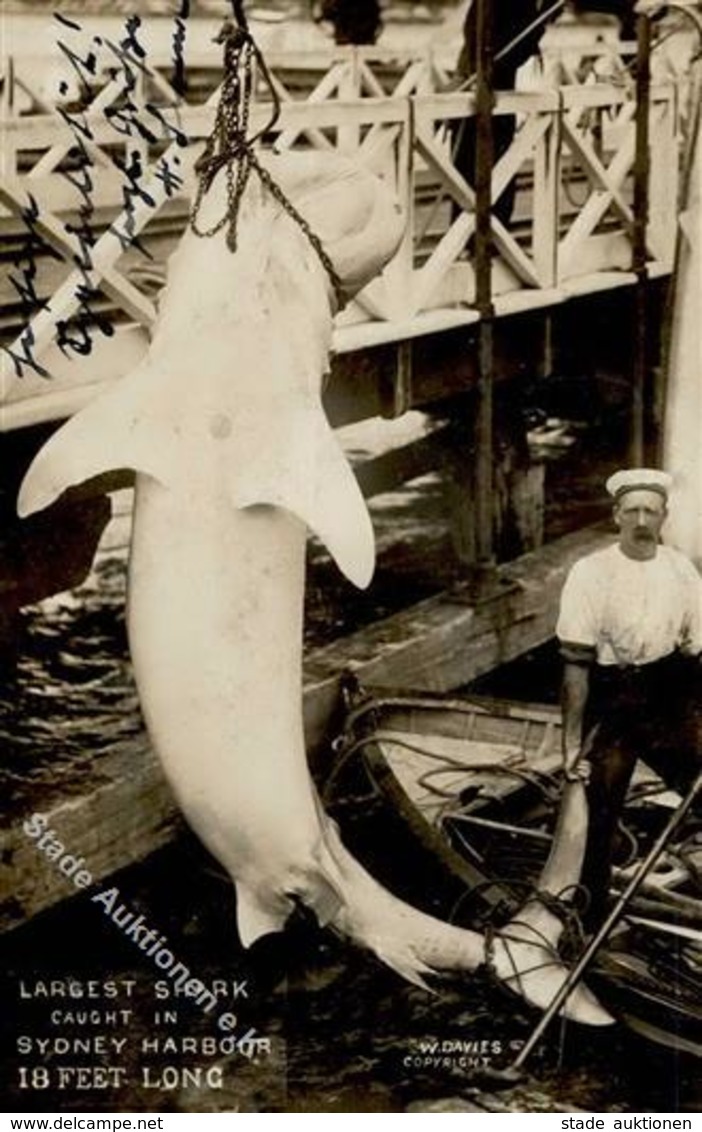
[470,787]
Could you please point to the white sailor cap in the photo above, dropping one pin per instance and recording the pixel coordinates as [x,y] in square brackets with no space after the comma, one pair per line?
[639,479]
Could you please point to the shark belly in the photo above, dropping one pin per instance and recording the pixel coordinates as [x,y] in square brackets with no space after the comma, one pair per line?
[215,624]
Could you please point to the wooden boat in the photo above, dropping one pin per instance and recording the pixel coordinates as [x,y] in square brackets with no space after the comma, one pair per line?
[466,790]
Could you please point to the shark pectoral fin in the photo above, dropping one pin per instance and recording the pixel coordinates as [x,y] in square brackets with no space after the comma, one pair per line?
[254,918]
[307,473]
[408,965]
[338,515]
[115,431]
[310,886]
[537,974]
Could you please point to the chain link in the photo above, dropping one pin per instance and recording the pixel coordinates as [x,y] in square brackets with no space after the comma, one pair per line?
[229,147]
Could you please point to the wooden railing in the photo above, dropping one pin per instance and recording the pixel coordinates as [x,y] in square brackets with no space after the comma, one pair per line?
[570,164]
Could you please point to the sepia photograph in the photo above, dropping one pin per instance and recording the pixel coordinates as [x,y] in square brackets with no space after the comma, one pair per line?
[350,558]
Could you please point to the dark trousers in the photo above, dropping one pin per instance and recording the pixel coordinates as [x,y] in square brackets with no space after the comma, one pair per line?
[653,713]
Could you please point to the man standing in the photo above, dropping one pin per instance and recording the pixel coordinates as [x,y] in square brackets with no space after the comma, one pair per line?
[514,20]
[518,28]
[630,629]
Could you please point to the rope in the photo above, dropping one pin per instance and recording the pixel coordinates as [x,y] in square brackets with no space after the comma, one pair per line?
[561,904]
[230,147]
[529,777]
[447,765]
[517,974]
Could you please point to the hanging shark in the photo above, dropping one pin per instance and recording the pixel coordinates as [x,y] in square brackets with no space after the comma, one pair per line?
[222,423]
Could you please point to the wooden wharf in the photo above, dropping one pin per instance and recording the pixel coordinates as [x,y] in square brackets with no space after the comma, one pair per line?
[572,163]
[468,303]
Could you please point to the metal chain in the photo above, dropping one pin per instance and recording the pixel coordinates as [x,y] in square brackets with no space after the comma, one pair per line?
[229,147]
[227,144]
[287,205]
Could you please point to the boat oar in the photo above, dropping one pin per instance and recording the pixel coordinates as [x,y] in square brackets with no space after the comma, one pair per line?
[598,939]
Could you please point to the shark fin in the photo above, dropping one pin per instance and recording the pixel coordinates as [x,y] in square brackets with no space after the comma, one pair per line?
[115,431]
[255,919]
[289,459]
[306,472]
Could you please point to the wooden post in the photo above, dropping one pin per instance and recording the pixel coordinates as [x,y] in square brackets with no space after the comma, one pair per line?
[8,142]
[483,479]
[349,136]
[546,188]
[641,195]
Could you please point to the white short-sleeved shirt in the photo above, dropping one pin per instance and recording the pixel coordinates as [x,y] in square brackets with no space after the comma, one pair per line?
[623,611]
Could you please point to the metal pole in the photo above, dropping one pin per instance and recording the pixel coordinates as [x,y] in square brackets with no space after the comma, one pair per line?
[484,506]
[641,207]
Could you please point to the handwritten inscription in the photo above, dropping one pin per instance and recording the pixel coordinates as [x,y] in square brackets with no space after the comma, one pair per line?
[24,284]
[120,67]
[75,335]
[179,84]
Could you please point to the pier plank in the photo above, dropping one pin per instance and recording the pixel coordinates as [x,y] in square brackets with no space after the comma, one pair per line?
[436,645]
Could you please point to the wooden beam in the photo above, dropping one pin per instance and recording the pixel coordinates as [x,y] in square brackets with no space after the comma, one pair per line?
[547,158]
[396,467]
[436,645]
[483,484]
[642,173]
[445,254]
[364,365]
[443,643]
[326,87]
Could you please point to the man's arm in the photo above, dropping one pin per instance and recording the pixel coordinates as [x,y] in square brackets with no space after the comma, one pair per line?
[574,695]
[577,630]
